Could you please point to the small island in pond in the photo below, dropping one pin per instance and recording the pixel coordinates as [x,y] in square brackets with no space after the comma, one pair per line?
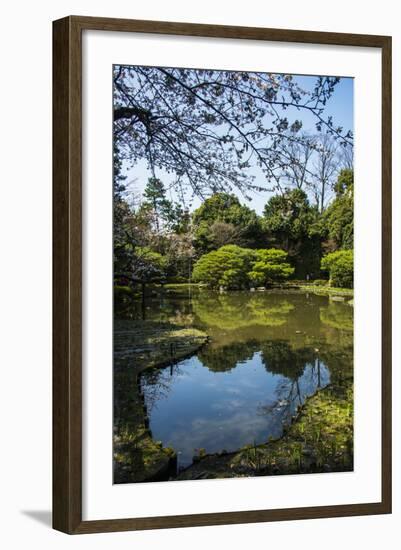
[233,274]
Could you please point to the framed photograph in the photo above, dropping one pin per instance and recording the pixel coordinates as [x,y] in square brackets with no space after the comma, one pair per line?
[222,275]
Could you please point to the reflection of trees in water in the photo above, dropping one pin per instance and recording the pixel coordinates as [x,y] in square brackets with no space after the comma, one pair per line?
[177,310]
[125,398]
[299,373]
[340,361]
[233,316]
[160,307]
[338,316]
[288,397]
[283,315]
[279,357]
[226,358]
[244,316]
[233,311]
[303,372]
[240,320]
[156,384]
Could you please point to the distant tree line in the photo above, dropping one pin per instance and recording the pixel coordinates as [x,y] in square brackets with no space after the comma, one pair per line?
[225,243]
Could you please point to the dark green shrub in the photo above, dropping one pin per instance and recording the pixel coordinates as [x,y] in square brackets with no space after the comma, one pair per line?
[123,301]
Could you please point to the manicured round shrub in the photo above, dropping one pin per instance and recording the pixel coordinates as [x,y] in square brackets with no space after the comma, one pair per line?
[228,266]
[235,268]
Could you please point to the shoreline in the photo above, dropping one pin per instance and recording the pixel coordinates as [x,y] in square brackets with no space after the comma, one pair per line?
[137,456]
[146,345]
[287,286]
[313,448]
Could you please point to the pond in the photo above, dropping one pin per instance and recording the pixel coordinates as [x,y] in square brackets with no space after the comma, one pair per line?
[268,352]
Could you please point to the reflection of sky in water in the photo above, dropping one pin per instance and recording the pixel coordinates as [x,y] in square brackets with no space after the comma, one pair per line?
[192,407]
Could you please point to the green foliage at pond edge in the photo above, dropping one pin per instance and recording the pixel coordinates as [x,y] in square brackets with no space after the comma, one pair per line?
[320,439]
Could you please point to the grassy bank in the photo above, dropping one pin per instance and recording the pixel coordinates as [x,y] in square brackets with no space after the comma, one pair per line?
[326,290]
[293,285]
[318,440]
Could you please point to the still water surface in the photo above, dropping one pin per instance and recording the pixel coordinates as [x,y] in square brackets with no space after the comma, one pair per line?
[267,353]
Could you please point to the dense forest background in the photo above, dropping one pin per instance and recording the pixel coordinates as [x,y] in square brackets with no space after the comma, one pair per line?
[222,136]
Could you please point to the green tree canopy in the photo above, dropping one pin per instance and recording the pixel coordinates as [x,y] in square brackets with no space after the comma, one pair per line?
[339,216]
[228,266]
[165,214]
[340,265]
[234,267]
[123,239]
[222,219]
[290,216]
[293,224]
[149,265]
[268,266]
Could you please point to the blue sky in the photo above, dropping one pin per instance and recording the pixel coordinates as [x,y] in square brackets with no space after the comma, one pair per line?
[340,107]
